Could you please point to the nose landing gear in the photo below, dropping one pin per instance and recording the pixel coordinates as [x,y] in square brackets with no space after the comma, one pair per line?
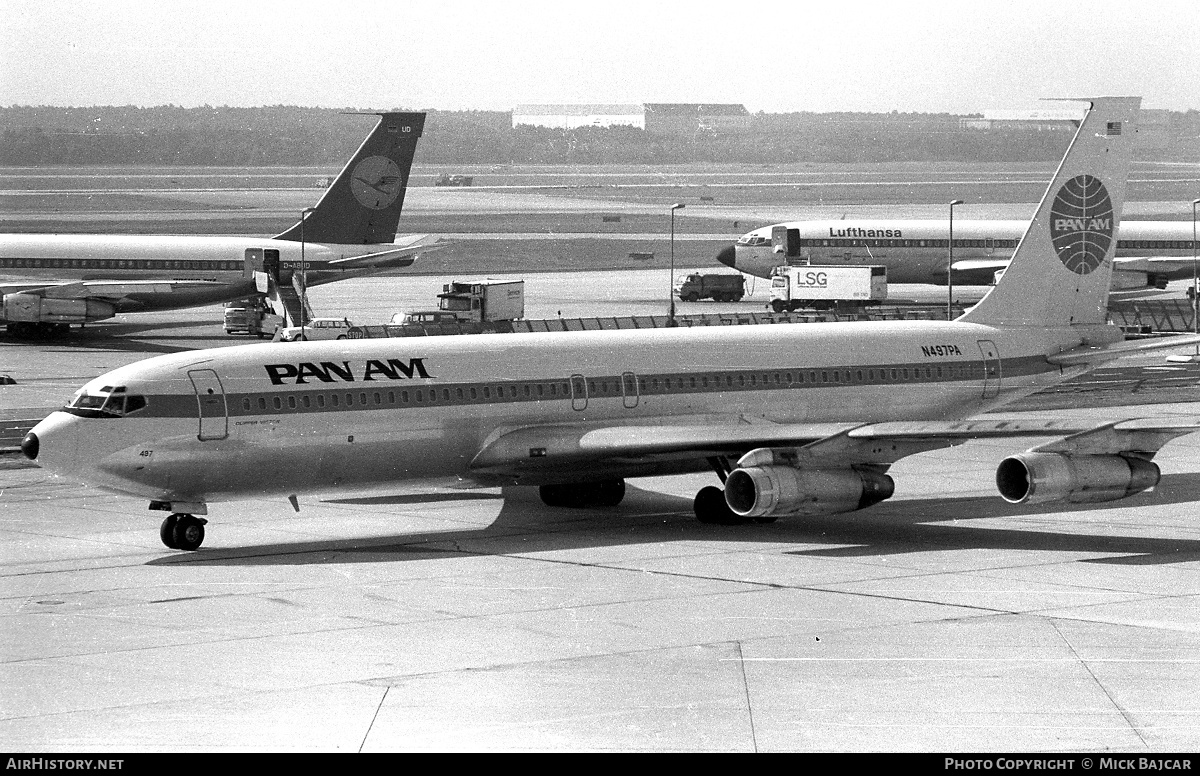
[182,532]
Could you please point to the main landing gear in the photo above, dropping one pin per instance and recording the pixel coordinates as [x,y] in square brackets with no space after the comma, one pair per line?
[710,508]
[710,505]
[607,493]
[37,331]
[182,532]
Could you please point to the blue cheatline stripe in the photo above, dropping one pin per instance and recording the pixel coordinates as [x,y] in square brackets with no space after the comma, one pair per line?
[127,265]
[343,396]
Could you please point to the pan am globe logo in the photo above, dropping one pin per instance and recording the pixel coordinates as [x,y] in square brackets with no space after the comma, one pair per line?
[1081,224]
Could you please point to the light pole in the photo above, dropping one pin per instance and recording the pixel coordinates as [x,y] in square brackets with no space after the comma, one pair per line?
[950,266]
[1195,292]
[303,267]
[1195,283]
[671,287]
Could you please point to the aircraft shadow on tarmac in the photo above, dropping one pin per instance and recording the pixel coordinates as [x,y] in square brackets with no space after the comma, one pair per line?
[525,526]
[125,337]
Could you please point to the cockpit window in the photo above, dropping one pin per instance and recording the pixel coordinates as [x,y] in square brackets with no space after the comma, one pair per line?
[108,402]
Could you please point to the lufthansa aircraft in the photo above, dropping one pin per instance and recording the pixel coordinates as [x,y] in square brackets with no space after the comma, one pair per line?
[1148,253]
[795,419]
[49,281]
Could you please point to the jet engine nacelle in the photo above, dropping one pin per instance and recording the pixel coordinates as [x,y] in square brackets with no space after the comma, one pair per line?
[1036,478]
[28,308]
[761,491]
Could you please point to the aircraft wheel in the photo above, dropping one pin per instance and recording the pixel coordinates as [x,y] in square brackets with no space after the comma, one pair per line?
[607,494]
[188,533]
[556,495]
[711,509]
[166,531]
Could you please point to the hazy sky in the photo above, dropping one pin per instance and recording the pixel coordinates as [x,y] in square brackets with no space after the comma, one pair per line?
[959,57]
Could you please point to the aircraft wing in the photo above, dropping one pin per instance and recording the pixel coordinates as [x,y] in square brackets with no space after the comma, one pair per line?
[1147,264]
[107,290]
[987,265]
[538,454]
[1152,263]
[400,255]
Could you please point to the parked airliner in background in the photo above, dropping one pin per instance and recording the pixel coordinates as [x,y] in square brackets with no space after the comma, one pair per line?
[795,419]
[49,281]
[1148,253]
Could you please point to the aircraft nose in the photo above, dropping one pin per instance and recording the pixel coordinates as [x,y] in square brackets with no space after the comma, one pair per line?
[30,446]
[727,257]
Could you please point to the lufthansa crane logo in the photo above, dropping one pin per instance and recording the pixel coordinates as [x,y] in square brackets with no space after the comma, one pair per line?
[1081,224]
[376,182]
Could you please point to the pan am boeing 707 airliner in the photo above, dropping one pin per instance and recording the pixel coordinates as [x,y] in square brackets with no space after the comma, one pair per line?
[796,419]
[49,281]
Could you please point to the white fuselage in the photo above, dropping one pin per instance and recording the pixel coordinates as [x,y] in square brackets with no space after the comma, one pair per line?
[204,269]
[300,418]
[917,251]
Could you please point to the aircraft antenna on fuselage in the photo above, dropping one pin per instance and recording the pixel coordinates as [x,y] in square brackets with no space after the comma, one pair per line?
[362,206]
[1061,272]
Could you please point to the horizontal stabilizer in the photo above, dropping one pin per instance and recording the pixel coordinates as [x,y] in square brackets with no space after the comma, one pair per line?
[398,256]
[1091,356]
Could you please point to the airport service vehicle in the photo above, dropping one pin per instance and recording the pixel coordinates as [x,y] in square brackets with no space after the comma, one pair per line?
[484,300]
[317,329]
[49,281]
[445,179]
[1148,253]
[471,301]
[823,287]
[720,287]
[423,318]
[251,316]
[794,419]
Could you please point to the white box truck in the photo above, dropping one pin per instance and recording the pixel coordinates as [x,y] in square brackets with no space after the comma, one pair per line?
[472,301]
[824,287]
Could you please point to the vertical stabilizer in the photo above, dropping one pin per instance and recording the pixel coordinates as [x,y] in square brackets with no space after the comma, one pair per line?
[363,204]
[1061,271]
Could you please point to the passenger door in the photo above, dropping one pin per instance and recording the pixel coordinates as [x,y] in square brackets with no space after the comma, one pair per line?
[210,400]
[579,394]
[785,244]
[629,390]
[991,368]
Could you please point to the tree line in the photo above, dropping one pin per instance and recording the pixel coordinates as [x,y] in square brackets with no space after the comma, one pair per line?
[296,136]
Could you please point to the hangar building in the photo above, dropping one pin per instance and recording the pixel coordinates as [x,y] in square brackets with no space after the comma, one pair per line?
[574,116]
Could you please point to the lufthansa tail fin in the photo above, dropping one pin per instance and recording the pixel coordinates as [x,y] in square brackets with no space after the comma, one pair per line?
[363,204]
[1061,272]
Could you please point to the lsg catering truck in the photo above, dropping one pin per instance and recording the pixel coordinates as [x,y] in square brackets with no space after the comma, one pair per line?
[793,287]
